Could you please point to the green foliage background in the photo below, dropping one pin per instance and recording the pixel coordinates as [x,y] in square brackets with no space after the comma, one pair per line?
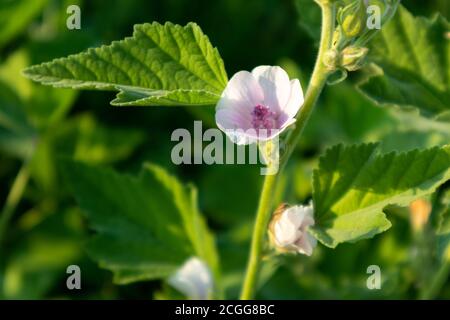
[45,129]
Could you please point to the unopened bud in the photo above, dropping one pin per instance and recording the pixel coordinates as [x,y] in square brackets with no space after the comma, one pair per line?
[353,18]
[194,279]
[331,59]
[354,58]
[288,229]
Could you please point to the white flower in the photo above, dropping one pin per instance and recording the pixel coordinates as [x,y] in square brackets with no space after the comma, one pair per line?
[258,105]
[289,229]
[193,279]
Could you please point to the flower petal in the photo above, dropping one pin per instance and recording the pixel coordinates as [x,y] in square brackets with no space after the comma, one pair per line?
[236,126]
[306,244]
[295,101]
[234,108]
[242,92]
[304,247]
[242,137]
[275,85]
[231,119]
[290,230]
[295,215]
[286,233]
[193,279]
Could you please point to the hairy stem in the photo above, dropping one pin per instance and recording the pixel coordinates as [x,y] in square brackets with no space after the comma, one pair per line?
[316,84]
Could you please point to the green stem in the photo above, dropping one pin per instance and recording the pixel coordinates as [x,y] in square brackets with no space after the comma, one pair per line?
[259,231]
[14,196]
[316,84]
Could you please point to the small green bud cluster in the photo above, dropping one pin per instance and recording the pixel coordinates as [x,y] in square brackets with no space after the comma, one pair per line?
[351,58]
[357,23]
[348,50]
[360,20]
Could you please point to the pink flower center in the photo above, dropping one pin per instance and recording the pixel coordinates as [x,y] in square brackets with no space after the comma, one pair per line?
[263,118]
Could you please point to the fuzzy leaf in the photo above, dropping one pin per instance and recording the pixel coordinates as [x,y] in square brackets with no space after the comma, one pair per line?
[147,226]
[354,184]
[160,65]
[411,57]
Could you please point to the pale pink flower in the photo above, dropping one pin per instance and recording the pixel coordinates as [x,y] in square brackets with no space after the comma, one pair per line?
[289,230]
[258,105]
[194,279]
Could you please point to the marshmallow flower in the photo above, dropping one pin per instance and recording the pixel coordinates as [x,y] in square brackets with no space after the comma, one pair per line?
[289,229]
[258,106]
[193,279]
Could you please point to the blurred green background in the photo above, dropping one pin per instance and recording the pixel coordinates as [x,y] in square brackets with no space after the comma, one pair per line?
[39,125]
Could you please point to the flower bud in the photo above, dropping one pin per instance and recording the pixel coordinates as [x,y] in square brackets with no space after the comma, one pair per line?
[288,229]
[353,18]
[331,59]
[353,58]
[193,279]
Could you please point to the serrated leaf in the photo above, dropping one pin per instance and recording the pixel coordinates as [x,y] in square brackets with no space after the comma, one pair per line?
[147,226]
[354,184]
[412,55]
[15,15]
[160,65]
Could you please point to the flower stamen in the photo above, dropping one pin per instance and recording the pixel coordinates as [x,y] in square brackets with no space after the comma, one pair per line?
[263,118]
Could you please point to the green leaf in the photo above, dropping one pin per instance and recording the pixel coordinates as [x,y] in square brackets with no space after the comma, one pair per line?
[42,105]
[309,17]
[354,184]
[411,57]
[16,133]
[27,109]
[15,16]
[37,260]
[81,138]
[160,65]
[84,138]
[147,226]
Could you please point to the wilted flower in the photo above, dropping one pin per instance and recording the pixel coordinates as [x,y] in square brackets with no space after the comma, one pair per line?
[193,279]
[289,229]
[258,105]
